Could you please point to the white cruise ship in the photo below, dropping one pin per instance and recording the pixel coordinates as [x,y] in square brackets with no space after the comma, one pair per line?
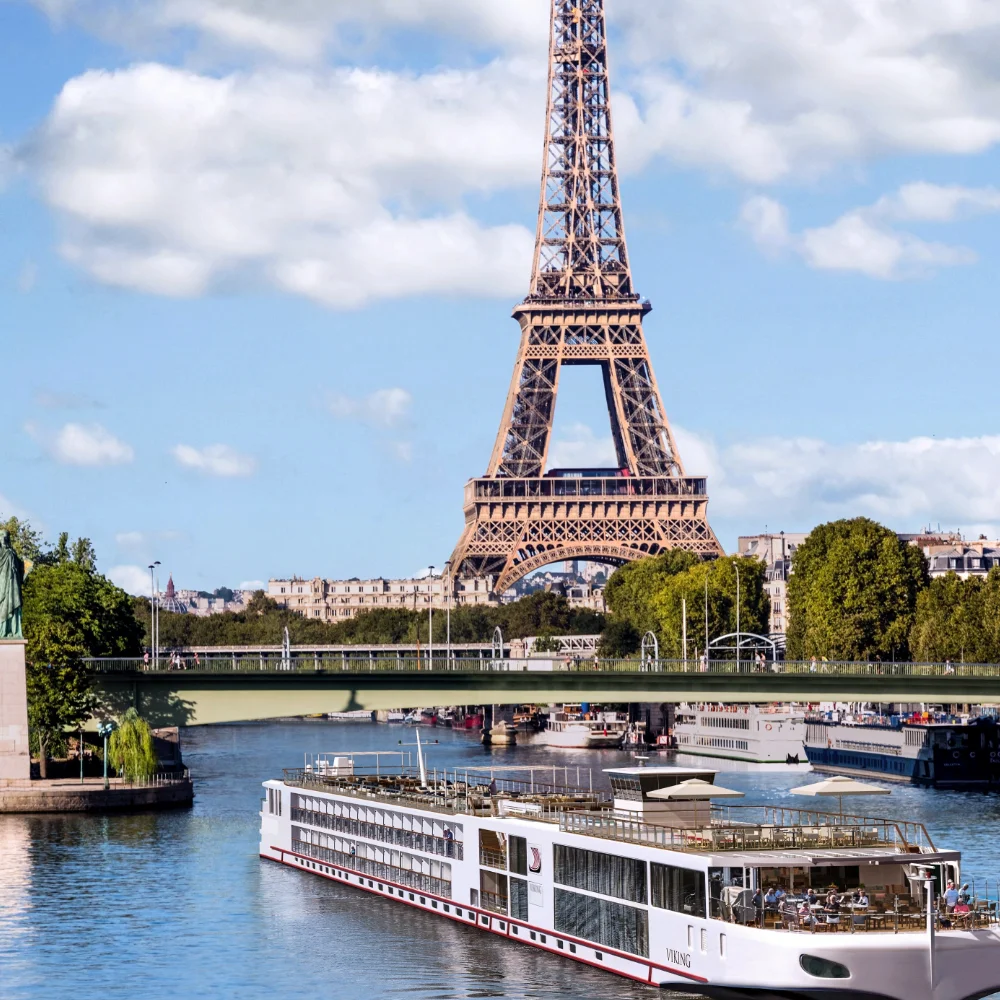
[647,882]
[759,734]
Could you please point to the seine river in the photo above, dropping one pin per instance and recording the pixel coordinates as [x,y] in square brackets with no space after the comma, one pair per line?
[178,904]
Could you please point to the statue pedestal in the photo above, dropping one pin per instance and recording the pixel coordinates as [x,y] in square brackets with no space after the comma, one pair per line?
[15,761]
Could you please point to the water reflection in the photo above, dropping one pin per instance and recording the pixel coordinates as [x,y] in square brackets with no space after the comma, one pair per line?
[179,903]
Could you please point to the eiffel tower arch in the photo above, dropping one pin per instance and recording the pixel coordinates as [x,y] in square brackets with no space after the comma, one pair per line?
[581,309]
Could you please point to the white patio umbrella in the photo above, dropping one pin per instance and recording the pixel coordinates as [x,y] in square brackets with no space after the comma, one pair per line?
[694,790]
[840,785]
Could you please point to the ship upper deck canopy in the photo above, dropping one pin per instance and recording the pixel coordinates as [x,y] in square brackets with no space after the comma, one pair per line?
[565,796]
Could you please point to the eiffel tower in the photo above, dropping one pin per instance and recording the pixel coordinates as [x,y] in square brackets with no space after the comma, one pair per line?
[581,309]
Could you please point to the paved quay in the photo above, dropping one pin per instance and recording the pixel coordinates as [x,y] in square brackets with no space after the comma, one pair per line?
[63,795]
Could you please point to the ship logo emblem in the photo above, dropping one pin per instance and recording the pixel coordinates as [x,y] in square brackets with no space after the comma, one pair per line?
[536,860]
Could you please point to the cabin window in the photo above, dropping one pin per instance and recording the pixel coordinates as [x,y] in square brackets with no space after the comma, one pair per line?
[519,855]
[492,849]
[608,874]
[679,889]
[823,968]
[518,897]
[615,925]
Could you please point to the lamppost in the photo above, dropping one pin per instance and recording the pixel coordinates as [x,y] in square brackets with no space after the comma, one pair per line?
[735,567]
[448,584]
[105,729]
[152,611]
[430,618]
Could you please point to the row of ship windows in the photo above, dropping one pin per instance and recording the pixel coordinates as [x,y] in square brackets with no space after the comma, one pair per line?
[378,816]
[718,742]
[418,880]
[445,845]
[724,722]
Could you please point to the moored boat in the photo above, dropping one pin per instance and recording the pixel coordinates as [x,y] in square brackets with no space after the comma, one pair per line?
[572,726]
[760,734]
[916,749]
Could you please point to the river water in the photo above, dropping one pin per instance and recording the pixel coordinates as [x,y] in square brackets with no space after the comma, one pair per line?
[178,904]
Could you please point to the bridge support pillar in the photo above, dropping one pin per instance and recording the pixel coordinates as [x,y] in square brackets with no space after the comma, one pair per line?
[15,759]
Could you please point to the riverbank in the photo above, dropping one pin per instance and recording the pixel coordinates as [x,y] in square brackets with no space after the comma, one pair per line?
[65,795]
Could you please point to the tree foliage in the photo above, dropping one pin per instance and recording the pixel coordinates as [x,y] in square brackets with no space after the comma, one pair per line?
[649,595]
[130,748]
[853,592]
[958,620]
[263,621]
[70,612]
[630,591]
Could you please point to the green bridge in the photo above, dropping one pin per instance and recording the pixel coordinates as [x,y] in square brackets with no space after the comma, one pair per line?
[240,686]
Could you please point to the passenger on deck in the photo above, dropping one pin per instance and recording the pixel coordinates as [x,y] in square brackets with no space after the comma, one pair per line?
[811,898]
[806,917]
[771,899]
[951,897]
[862,899]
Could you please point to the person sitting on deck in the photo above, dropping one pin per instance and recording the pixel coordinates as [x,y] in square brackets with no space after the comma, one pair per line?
[806,917]
[811,898]
[780,893]
[771,899]
[862,897]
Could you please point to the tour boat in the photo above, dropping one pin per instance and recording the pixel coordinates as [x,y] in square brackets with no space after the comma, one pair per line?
[960,755]
[590,730]
[760,734]
[358,715]
[647,881]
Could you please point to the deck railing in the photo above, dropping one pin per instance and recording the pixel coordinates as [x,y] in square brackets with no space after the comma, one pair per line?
[755,828]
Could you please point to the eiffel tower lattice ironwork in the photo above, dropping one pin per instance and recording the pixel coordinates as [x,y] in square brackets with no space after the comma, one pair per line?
[581,310]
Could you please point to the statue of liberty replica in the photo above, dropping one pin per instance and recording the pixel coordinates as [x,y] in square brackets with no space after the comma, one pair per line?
[11,589]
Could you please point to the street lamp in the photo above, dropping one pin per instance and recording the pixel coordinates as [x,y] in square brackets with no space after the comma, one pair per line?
[430,618]
[152,611]
[105,729]
[735,567]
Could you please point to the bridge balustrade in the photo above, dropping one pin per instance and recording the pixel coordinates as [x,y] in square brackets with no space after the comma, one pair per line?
[239,663]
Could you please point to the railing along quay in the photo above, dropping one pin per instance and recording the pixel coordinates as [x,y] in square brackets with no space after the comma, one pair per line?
[239,663]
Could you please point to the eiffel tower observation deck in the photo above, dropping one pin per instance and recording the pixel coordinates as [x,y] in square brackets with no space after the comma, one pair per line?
[581,309]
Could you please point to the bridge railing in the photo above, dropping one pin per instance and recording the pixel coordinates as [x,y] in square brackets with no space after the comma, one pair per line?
[274,663]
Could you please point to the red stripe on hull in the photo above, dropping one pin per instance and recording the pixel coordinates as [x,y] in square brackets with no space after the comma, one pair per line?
[492,917]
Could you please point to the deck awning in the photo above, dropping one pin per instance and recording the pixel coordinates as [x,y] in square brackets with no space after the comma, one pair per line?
[821,858]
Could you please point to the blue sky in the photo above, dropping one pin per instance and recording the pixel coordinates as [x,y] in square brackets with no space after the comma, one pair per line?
[258,259]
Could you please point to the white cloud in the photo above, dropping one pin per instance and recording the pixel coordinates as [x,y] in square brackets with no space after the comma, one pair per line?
[215,460]
[382,408]
[130,539]
[133,579]
[764,90]
[403,451]
[865,240]
[781,87]
[301,30]
[342,186]
[952,480]
[806,481]
[82,444]
[581,448]
[252,585]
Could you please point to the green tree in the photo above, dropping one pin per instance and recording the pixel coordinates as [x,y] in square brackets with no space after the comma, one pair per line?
[619,638]
[630,591]
[546,643]
[958,620]
[70,612]
[27,542]
[853,592]
[718,579]
[130,748]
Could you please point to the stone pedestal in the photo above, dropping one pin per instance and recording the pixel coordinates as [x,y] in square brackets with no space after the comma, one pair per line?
[15,761]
